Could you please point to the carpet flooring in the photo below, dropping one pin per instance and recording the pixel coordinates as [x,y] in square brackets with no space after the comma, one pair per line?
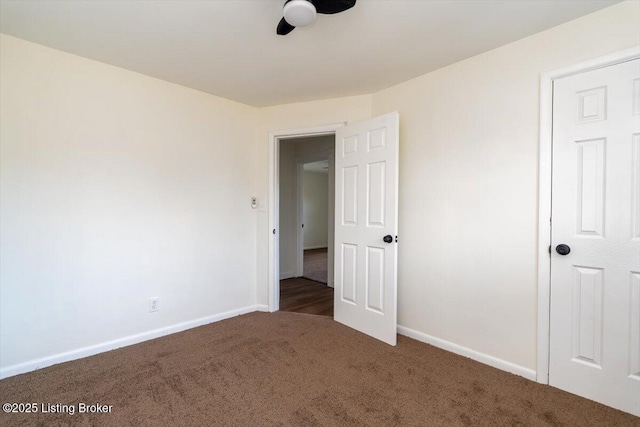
[315,264]
[291,369]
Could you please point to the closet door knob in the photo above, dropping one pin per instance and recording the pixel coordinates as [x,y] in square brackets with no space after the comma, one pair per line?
[563,249]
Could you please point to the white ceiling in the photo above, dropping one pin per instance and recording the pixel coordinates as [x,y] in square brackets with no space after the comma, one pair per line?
[230,48]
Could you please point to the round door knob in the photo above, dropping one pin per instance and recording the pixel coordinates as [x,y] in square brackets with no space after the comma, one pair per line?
[563,249]
[388,238]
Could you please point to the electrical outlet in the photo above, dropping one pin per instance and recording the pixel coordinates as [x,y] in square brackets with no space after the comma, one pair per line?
[154,304]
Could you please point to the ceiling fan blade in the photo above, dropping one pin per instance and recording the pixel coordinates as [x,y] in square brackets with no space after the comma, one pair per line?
[284,27]
[330,7]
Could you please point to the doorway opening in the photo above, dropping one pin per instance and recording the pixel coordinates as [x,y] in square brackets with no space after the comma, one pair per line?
[365,222]
[302,221]
[306,224]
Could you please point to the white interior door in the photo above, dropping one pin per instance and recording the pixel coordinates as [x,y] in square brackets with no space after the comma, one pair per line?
[595,288]
[366,226]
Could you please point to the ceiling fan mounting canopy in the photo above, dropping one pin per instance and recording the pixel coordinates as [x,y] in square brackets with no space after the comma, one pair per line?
[298,13]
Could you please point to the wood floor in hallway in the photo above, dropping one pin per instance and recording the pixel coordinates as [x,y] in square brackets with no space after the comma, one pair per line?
[302,295]
[309,294]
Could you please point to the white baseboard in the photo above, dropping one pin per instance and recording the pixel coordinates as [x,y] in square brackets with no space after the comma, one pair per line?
[32,365]
[286,275]
[527,373]
[315,247]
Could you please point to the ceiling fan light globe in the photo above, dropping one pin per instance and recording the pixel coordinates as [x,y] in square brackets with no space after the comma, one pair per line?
[299,13]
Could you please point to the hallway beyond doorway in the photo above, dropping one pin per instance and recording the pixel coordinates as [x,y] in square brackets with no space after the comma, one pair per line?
[315,265]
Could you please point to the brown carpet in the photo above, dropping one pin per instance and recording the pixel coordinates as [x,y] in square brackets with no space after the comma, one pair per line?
[290,369]
[315,264]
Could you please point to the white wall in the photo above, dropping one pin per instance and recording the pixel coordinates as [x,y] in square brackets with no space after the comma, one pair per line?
[116,187]
[315,209]
[468,185]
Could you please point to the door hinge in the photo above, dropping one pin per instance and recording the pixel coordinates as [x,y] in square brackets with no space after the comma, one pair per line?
[274,231]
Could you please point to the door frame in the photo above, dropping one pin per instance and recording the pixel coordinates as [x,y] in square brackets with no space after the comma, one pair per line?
[300,162]
[274,201]
[544,194]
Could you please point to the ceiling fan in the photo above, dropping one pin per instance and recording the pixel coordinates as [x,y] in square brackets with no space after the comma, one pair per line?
[298,13]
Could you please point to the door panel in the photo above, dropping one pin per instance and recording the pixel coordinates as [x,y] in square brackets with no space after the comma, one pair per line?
[595,301]
[587,315]
[375,194]
[375,279]
[349,187]
[634,326]
[349,269]
[635,196]
[591,187]
[367,208]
